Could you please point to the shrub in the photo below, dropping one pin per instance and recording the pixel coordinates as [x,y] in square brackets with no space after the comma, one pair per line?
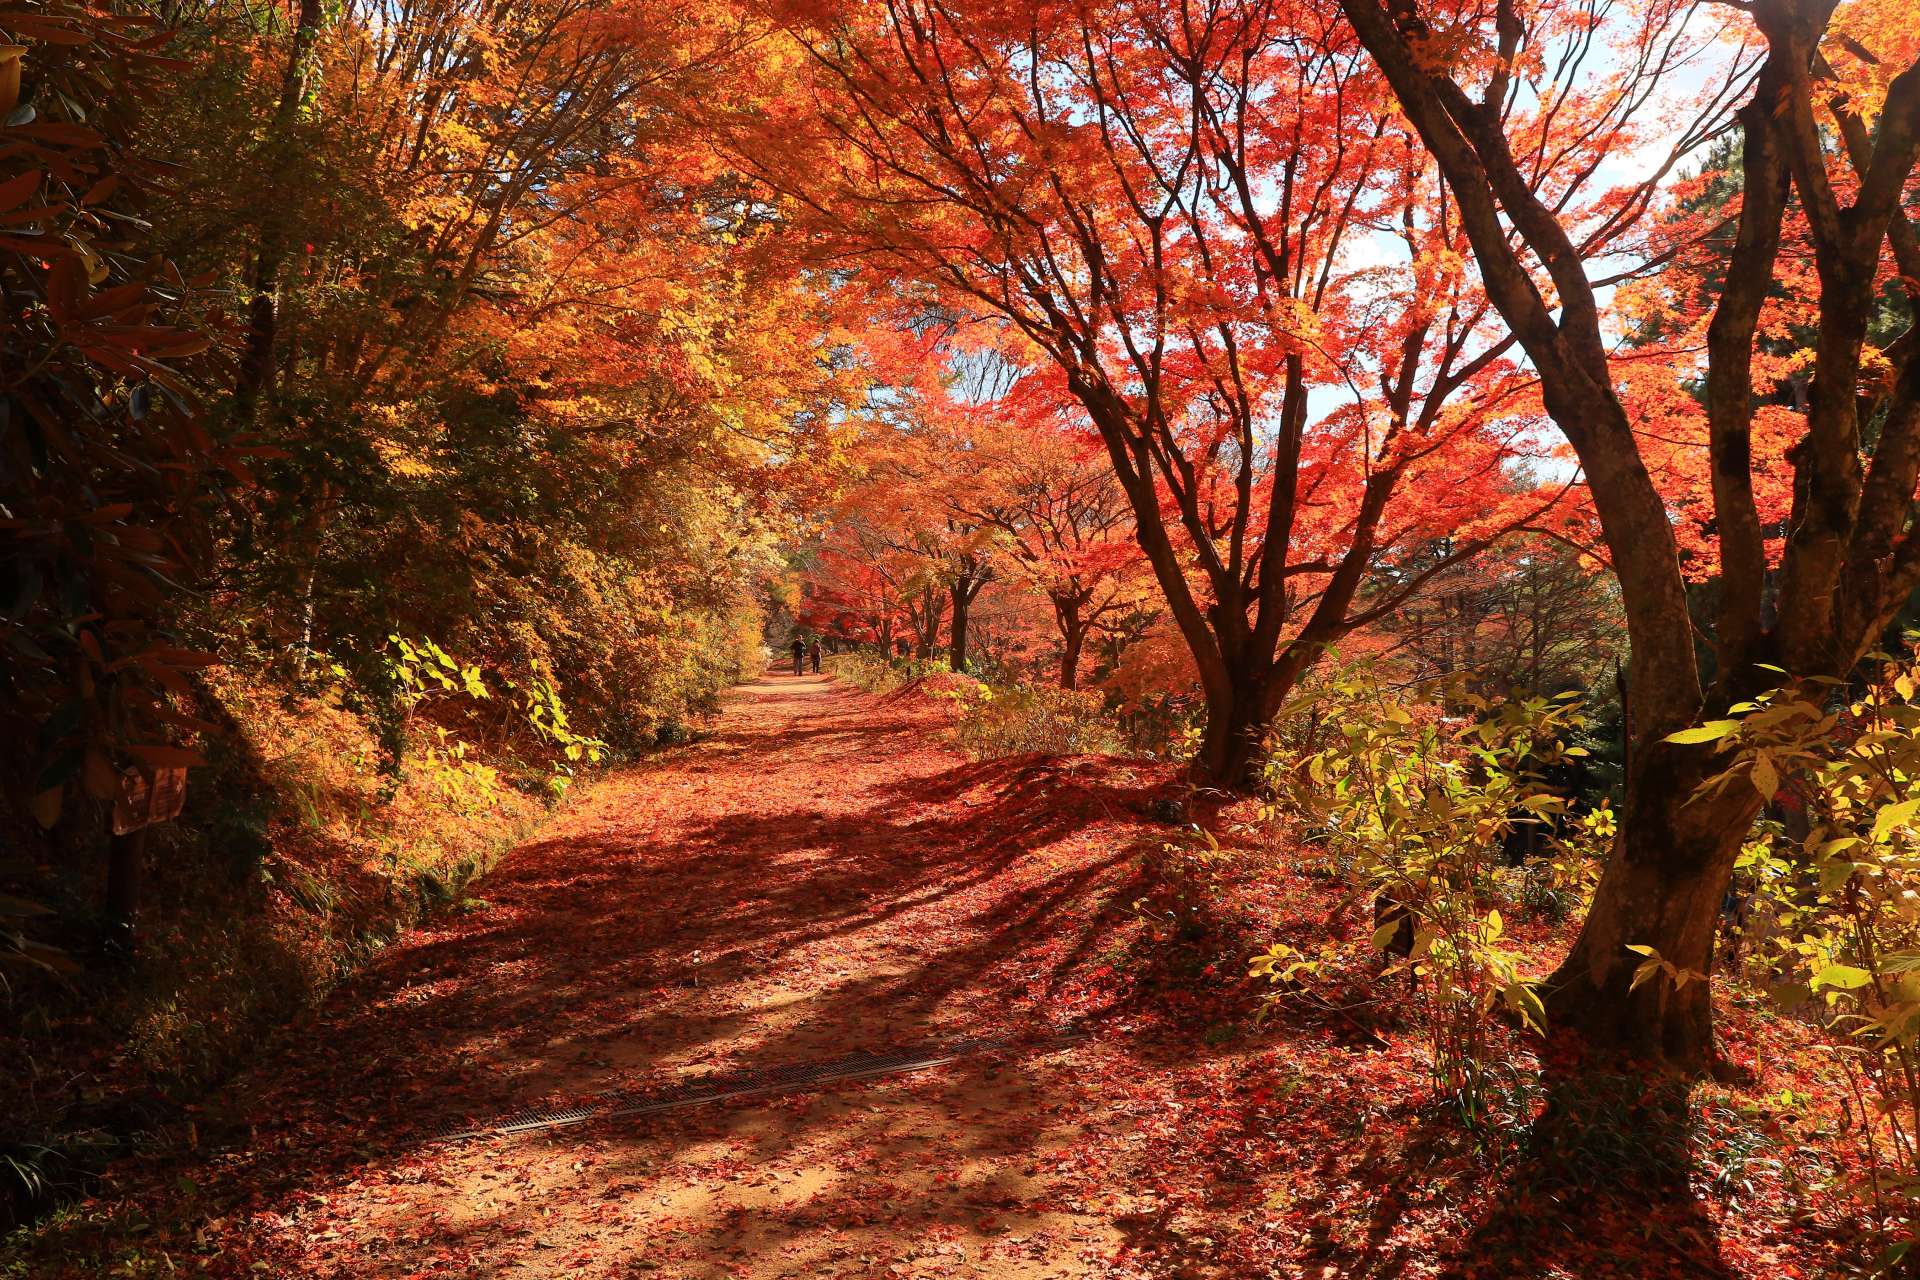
[1029,718]
[1185,875]
[1418,806]
[302,850]
[877,673]
[1830,886]
[873,672]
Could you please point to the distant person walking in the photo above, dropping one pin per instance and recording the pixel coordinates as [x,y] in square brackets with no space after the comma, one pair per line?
[799,654]
[813,652]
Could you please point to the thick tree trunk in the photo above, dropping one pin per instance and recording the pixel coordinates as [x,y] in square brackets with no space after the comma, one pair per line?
[1242,701]
[957,630]
[927,625]
[255,366]
[1073,639]
[1848,563]
[1071,644]
[1235,732]
[1662,888]
[126,867]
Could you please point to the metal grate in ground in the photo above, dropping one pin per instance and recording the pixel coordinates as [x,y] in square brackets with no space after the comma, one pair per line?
[749,1084]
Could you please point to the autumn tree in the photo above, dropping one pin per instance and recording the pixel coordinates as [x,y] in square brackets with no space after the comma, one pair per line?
[865,585]
[1067,529]
[920,466]
[515,336]
[1168,206]
[850,591]
[901,511]
[1829,135]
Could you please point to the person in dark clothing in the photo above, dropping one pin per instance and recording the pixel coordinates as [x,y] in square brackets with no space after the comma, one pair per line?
[813,652]
[799,653]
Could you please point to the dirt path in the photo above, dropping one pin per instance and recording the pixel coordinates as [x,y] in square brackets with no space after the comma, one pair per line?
[819,876]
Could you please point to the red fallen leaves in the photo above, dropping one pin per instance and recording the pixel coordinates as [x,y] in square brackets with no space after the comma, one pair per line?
[916,896]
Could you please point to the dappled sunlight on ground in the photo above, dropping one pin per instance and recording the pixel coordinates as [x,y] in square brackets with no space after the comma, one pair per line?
[821,876]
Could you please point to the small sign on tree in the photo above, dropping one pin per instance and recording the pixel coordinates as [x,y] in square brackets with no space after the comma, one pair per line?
[144,801]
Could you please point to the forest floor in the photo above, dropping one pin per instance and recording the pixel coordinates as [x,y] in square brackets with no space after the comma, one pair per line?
[818,876]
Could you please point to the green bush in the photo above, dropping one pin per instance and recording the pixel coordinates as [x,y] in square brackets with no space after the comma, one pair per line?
[873,672]
[1418,806]
[1020,719]
[1829,921]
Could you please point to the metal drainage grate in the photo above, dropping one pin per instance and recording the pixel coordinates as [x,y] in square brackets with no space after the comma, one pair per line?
[748,1084]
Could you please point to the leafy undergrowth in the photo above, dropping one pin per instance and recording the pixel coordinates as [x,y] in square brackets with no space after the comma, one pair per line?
[822,876]
[295,860]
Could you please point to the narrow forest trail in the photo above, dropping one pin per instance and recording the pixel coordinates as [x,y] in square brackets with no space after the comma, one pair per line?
[818,876]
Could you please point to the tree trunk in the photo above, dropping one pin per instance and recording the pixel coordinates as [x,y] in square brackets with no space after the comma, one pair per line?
[1662,888]
[1073,638]
[1236,728]
[256,363]
[957,630]
[126,859]
[1071,644]
[926,625]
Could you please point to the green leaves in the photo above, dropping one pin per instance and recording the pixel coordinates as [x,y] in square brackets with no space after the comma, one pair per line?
[1281,964]
[1840,977]
[1892,816]
[1657,965]
[1419,806]
[419,668]
[1523,998]
[1711,731]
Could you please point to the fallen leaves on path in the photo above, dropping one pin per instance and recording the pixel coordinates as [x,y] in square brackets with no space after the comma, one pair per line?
[821,876]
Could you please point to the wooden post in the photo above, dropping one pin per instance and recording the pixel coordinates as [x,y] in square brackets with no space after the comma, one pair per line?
[126,869]
[144,799]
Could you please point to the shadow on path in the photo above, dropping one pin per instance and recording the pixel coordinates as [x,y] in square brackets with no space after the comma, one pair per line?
[818,877]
